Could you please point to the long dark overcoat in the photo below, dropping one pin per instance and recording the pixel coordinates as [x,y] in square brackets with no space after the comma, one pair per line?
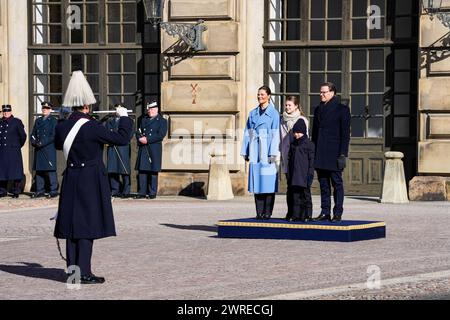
[155,130]
[300,162]
[114,164]
[85,210]
[12,139]
[330,134]
[44,155]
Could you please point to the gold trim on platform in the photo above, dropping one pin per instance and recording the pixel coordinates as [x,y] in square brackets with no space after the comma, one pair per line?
[300,226]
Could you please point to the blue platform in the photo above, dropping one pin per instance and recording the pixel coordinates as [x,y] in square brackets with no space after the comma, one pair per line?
[344,231]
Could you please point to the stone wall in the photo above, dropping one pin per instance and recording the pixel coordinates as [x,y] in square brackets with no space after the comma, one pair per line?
[205,95]
[3,50]
[434,105]
[433,112]
[14,56]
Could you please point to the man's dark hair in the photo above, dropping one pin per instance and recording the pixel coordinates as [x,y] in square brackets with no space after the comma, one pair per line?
[331,86]
[266,89]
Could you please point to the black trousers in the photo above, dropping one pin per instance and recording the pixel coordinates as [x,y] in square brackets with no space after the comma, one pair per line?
[79,253]
[326,180]
[264,203]
[118,187]
[300,204]
[40,181]
[148,183]
[15,187]
[289,201]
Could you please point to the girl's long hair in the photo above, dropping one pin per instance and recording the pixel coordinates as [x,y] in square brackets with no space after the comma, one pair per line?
[295,100]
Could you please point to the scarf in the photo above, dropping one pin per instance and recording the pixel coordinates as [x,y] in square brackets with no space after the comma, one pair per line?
[290,119]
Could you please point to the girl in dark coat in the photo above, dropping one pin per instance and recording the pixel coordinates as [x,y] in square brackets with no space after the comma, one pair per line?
[300,172]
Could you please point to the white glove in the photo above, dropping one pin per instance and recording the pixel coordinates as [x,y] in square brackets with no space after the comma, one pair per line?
[271,159]
[122,112]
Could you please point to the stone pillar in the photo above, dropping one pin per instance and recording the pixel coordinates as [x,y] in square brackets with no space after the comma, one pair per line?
[17,75]
[219,181]
[394,184]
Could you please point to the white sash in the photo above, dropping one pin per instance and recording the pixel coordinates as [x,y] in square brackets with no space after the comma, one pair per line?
[71,136]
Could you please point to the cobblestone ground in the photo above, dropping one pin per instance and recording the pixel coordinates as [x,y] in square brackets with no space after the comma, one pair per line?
[168,249]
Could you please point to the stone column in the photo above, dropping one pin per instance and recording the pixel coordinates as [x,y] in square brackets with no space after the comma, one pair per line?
[17,82]
[394,184]
[219,180]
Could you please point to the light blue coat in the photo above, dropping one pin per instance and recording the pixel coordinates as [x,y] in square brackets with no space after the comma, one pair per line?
[261,140]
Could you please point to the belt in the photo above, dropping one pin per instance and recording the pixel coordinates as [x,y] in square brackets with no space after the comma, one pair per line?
[82,164]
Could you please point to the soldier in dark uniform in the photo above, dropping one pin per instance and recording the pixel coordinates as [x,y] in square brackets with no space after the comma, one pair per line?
[150,134]
[43,141]
[12,139]
[118,162]
[85,211]
[331,136]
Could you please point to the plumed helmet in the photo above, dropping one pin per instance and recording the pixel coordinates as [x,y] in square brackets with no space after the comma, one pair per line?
[79,92]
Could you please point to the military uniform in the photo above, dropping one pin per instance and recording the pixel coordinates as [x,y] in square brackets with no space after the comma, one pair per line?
[149,157]
[118,163]
[43,141]
[85,211]
[12,139]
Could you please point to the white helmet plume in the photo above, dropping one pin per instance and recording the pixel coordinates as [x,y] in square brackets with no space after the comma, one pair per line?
[79,92]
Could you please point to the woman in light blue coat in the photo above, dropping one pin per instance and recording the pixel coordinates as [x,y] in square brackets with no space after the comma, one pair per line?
[261,147]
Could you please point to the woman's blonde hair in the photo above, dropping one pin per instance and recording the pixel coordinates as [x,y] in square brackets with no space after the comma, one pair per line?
[295,100]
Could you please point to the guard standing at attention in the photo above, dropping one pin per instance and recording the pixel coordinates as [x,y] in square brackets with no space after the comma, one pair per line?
[118,161]
[12,139]
[150,134]
[43,141]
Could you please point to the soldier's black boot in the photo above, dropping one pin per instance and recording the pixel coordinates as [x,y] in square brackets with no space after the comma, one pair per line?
[91,279]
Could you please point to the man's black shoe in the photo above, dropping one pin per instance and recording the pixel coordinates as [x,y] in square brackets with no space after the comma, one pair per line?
[52,195]
[323,217]
[266,216]
[124,196]
[15,195]
[152,196]
[3,195]
[140,196]
[37,195]
[336,219]
[91,279]
[258,217]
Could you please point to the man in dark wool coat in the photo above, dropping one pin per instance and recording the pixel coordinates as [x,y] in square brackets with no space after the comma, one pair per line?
[331,136]
[151,132]
[118,161]
[43,141]
[12,139]
[85,210]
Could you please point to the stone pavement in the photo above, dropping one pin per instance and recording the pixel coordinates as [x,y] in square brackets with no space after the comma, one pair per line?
[167,248]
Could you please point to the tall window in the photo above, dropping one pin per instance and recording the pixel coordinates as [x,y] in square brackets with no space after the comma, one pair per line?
[326,20]
[47,22]
[47,79]
[313,41]
[103,39]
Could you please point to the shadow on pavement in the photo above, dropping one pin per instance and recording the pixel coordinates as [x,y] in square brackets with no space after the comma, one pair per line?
[35,270]
[364,198]
[191,227]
